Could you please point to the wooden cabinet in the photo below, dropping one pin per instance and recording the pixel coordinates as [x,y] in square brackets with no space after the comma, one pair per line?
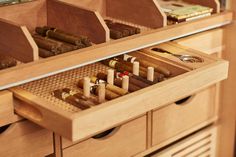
[182,104]
[25,139]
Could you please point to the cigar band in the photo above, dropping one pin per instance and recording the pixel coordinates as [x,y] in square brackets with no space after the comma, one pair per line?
[112,63]
[93,88]
[64,95]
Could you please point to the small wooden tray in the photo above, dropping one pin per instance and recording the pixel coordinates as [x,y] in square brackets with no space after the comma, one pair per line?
[34,101]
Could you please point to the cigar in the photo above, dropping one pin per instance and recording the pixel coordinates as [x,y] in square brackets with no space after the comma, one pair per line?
[90,101]
[47,44]
[7,62]
[94,90]
[65,47]
[110,87]
[118,82]
[60,94]
[125,32]
[146,64]
[142,71]
[114,34]
[80,41]
[45,53]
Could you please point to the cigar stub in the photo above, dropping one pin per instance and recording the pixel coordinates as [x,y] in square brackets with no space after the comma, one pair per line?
[118,82]
[109,95]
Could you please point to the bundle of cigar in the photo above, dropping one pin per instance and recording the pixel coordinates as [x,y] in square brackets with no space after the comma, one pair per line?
[52,41]
[7,62]
[119,30]
[129,74]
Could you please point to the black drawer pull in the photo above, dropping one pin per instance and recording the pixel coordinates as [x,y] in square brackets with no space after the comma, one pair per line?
[106,133]
[182,101]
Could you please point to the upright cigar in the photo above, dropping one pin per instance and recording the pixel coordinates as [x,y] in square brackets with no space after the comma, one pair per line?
[60,94]
[146,64]
[90,101]
[118,82]
[47,44]
[7,62]
[94,89]
[110,87]
[141,71]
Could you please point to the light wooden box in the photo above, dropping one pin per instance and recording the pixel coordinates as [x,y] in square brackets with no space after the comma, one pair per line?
[125,140]
[173,119]
[25,139]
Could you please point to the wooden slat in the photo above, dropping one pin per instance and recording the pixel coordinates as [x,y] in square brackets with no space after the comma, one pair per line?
[16,41]
[77,21]
[133,11]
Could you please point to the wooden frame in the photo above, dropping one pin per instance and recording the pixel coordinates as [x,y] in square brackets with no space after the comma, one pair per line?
[81,125]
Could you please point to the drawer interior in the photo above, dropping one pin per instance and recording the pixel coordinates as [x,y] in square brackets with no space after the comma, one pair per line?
[35,101]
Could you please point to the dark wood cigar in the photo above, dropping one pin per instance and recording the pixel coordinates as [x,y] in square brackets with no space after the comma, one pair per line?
[118,82]
[125,32]
[60,94]
[133,80]
[80,41]
[146,64]
[7,62]
[110,87]
[114,34]
[88,101]
[45,53]
[47,44]
[94,90]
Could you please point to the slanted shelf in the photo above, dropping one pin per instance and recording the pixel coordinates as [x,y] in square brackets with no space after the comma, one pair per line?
[35,101]
[130,13]
[18,23]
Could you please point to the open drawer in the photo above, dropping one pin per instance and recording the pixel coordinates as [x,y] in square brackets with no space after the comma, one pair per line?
[35,102]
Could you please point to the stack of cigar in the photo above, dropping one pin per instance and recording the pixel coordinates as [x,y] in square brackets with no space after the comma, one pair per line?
[129,74]
[119,30]
[7,62]
[52,41]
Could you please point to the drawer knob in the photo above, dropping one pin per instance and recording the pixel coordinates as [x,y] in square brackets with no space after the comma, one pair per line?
[183,101]
[106,133]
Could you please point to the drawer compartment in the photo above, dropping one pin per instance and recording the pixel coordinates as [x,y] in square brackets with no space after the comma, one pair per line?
[201,144]
[35,102]
[25,139]
[176,118]
[126,140]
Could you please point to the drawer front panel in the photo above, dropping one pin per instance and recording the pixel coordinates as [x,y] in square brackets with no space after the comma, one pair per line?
[202,144]
[126,141]
[175,118]
[25,139]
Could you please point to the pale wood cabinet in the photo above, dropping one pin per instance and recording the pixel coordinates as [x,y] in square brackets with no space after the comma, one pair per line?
[192,113]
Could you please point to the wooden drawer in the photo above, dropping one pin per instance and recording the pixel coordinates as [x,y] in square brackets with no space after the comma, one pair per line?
[25,139]
[173,119]
[6,104]
[126,140]
[209,42]
[201,144]
[35,102]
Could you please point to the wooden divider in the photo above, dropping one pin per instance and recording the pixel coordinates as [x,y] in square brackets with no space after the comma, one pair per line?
[77,20]
[17,42]
[143,12]
[215,4]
